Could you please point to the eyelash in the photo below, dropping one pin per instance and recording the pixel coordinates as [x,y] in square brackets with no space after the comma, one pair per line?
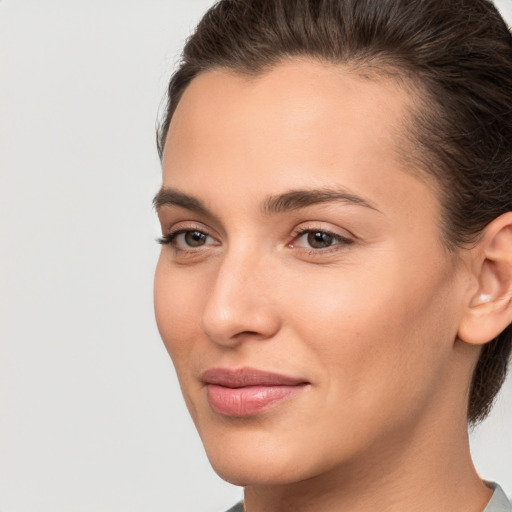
[169,238]
[337,239]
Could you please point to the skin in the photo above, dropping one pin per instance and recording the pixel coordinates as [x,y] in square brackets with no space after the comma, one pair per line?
[370,321]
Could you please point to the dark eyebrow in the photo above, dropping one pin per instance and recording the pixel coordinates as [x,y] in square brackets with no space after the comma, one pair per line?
[292,200]
[169,196]
[296,199]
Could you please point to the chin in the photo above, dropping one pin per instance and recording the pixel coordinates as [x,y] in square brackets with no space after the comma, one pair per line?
[243,475]
[245,457]
[254,458]
[255,471]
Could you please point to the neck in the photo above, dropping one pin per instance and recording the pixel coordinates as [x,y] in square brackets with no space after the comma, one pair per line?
[445,482]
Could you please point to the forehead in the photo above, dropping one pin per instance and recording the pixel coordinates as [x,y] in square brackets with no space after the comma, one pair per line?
[301,124]
[303,95]
[296,105]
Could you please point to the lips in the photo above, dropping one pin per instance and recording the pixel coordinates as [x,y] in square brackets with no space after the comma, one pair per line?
[247,391]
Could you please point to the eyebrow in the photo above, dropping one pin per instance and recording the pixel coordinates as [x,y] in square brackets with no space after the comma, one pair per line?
[296,199]
[172,197]
[288,201]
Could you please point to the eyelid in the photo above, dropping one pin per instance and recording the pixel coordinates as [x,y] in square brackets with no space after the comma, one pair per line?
[303,228]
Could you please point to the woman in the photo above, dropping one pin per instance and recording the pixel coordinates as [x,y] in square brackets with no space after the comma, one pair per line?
[335,281]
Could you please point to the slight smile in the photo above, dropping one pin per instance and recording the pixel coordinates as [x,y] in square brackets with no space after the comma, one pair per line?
[248,391]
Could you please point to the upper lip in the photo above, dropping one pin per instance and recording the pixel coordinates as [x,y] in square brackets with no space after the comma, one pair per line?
[241,377]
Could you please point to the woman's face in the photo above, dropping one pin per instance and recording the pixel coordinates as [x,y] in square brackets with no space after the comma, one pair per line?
[304,294]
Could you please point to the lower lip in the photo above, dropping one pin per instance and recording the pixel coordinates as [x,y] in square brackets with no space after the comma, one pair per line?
[249,400]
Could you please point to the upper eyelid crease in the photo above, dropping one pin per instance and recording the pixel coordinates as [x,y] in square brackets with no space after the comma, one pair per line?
[326,231]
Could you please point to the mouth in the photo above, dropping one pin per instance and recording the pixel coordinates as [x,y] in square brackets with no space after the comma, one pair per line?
[247,391]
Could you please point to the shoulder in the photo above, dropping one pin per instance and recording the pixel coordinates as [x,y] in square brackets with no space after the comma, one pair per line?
[499,501]
[239,507]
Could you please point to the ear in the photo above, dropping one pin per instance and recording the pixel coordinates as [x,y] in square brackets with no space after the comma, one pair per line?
[489,310]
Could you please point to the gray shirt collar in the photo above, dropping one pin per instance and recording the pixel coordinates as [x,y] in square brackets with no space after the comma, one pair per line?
[499,501]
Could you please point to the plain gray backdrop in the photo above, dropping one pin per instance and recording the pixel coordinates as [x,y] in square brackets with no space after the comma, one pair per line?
[91,417]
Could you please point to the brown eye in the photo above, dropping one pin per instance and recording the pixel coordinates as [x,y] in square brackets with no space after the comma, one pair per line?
[187,239]
[319,239]
[194,238]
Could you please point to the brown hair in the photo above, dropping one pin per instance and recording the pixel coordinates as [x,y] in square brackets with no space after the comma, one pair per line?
[456,53]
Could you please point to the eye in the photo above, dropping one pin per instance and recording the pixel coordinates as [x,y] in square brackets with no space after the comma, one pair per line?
[318,239]
[187,239]
[192,238]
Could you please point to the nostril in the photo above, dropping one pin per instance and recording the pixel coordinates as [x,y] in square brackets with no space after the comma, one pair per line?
[248,334]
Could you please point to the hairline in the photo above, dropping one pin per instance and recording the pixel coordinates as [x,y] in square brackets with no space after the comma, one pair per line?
[420,162]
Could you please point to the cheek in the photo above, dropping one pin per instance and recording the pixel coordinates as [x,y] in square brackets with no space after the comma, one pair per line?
[176,315]
[383,332]
[177,302]
[353,327]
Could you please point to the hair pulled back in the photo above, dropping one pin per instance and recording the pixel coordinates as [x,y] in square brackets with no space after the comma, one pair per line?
[456,53]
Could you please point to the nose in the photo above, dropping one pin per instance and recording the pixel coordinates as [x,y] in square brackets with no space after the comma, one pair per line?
[240,304]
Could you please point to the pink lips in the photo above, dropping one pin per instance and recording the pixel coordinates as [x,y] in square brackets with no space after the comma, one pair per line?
[247,391]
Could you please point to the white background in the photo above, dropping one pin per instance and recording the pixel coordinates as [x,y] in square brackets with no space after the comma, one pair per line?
[91,418]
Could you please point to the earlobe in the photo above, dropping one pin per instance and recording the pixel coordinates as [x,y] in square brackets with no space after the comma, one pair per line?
[489,310]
